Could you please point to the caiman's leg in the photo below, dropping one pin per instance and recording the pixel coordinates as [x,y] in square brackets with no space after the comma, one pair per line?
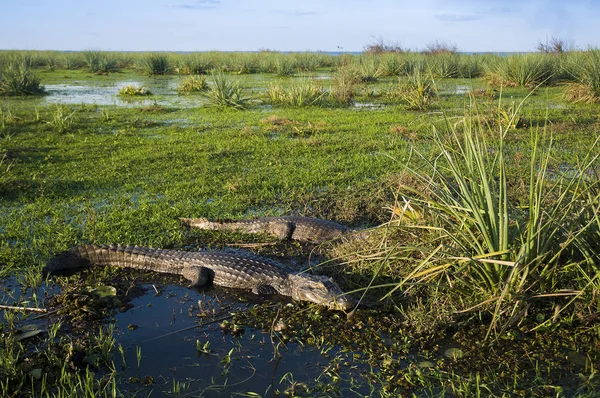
[282,229]
[264,290]
[198,276]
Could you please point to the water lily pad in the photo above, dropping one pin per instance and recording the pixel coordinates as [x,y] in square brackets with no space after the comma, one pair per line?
[104,291]
[36,373]
[577,358]
[28,334]
[425,365]
[453,353]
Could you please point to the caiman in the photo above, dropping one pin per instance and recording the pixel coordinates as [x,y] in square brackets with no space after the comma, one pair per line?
[303,229]
[239,270]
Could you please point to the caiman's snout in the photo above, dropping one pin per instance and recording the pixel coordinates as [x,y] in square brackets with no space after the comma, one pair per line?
[321,290]
[342,303]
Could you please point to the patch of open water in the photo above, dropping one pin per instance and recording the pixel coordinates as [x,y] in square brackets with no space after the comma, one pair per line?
[164,92]
[168,323]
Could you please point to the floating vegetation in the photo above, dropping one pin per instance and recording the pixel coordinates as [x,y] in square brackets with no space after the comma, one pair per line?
[133,91]
[192,84]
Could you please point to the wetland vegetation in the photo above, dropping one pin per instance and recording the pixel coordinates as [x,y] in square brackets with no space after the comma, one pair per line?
[474,177]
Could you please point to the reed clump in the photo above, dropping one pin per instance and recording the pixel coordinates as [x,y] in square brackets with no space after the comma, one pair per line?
[192,84]
[585,71]
[17,78]
[306,92]
[224,92]
[455,221]
[100,62]
[155,64]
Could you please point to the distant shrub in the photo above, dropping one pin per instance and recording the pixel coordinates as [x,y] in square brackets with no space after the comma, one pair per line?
[156,64]
[379,46]
[16,78]
[100,62]
[441,47]
[555,45]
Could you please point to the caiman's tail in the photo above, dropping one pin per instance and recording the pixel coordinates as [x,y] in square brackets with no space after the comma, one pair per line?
[73,258]
[201,223]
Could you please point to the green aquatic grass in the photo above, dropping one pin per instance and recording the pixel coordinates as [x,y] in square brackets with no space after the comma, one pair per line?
[124,175]
[225,92]
[155,64]
[17,78]
[191,84]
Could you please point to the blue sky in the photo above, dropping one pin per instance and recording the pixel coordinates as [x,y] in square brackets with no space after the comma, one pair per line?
[329,25]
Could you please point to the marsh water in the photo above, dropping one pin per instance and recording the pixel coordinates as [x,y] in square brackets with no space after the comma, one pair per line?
[173,341]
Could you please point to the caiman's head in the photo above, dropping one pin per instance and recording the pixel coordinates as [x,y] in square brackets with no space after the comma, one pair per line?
[321,290]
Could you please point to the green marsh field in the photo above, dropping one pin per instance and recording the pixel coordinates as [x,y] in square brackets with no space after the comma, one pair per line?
[472,181]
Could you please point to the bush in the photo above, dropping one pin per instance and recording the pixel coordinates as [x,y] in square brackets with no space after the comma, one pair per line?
[16,78]
[192,84]
[585,70]
[490,254]
[156,64]
[225,93]
[528,70]
[100,62]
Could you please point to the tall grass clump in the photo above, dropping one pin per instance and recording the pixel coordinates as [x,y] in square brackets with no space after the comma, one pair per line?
[225,93]
[155,64]
[523,70]
[284,66]
[444,65]
[191,84]
[17,78]
[6,172]
[194,64]
[417,91]
[62,119]
[100,62]
[585,71]
[303,93]
[490,253]
[344,84]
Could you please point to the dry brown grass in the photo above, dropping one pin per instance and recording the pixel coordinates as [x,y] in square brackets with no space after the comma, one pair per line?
[580,93]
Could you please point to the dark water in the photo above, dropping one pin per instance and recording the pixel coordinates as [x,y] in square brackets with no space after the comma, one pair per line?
[164,330]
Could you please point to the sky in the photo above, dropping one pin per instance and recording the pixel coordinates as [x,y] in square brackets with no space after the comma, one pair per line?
[314,25]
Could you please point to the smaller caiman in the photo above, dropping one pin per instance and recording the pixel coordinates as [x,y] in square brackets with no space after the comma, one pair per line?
[303,229]
[237,270]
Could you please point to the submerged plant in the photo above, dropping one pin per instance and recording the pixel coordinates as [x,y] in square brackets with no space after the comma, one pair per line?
[16,78]
[225,93]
